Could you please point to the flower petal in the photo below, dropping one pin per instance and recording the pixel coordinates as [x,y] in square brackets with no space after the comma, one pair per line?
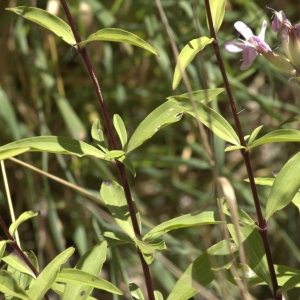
[243,29]
[261,35]
[260,45]
[234,47]
[249,55]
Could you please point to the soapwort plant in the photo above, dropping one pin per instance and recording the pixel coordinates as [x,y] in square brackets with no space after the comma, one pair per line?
[243,258]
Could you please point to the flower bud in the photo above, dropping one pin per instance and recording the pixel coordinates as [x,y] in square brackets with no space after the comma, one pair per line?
[289,36]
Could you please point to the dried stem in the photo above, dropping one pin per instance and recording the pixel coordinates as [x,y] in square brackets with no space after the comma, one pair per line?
[114,144]
[262,224]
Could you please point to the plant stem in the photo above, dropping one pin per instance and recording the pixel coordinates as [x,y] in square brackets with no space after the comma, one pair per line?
[18,251]
[115,146]
[262,224]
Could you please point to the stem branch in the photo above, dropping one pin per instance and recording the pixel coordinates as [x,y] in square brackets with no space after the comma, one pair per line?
[114,144]
[262,224]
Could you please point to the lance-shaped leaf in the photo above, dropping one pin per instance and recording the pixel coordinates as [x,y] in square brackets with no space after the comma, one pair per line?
[285,186]
[202,96]
[10,287]
[91,263]
[203,218]
[217,8]
[251,239]
[22,218]
[121,129]
[186,55]
[167,113]
[211,119]
[81,278]
[269,182]
[149,249]
[200,271]
[46,278]
[17,263]
[118,35]
[51,144]
[46,20]
[247,234]
[276,136]
[113,195]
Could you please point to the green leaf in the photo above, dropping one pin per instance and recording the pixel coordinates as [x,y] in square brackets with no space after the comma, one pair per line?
[203,218]
[288,278]
[149,249]
[136,292]
[118,35]
[3,247]
[200,271]
[158,295]
[285,186]
[165,114]
[91,262]
[121,129]
[202,96]
[18,264]
[113,154]
[81,278]
[211,119]
[186,55]
[117,238]
[46,20]
[232,148]
[128,164]
[280,135]
[22,218]
[172,110]
[97,135]
[252,243]
[9,286]
[217,8]
[47,277]
[51,144]
[254,134]
[113,195]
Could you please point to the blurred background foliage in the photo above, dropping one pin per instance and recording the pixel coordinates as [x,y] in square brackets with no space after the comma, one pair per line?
[44,90]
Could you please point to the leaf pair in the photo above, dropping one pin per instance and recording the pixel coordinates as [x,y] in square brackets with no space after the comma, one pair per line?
[77,283]
[114,198]
[63,30]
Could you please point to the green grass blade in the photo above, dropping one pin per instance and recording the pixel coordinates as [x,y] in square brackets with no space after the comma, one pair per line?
[7,113]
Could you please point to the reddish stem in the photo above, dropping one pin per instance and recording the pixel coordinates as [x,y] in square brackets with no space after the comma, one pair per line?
[114,144]
[262,224]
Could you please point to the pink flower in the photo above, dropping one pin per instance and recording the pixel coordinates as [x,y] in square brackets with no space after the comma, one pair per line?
[289,36]
[252,45]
